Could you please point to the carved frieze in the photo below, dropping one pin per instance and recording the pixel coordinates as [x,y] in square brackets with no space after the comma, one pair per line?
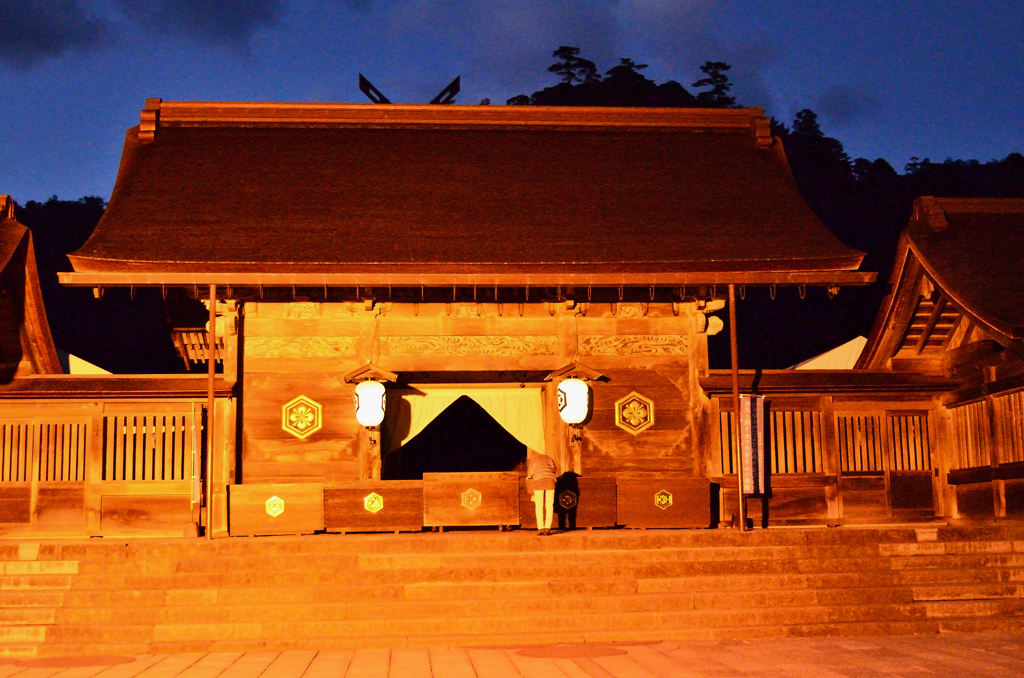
[462,346]
[303,310]
[633,344]
[300,347]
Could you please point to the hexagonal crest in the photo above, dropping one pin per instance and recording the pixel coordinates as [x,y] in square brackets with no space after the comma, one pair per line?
[663,499]
[302,417]
[471,498]
[373,502]
[634,413]
[275,506]
[567,500]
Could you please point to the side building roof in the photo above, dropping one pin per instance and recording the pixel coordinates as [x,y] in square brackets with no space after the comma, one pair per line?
[438,195]
[957,266]
[26,346]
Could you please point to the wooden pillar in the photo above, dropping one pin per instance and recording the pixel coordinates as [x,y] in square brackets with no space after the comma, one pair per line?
[735,352]
[211,415]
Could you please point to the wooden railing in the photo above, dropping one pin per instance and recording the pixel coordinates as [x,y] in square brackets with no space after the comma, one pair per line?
[43,451]
[149,446]
[837,459]
[106,467]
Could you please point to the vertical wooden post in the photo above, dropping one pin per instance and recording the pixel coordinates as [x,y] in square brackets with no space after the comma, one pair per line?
[211,356]
[735,353]
[94,471]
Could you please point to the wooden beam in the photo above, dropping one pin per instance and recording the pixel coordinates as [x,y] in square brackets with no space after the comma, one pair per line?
[514,279]
[929,326]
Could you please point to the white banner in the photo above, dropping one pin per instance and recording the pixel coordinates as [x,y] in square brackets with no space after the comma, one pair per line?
[753,444]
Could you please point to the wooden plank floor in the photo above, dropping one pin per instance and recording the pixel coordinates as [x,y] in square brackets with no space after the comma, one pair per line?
[942,656]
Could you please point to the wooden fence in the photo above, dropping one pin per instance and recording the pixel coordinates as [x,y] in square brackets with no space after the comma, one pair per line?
[116,467]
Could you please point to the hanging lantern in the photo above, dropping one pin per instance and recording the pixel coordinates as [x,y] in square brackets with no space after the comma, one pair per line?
[573,401]
[370,403]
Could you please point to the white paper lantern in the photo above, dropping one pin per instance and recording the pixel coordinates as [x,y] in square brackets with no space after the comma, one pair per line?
[573,401]
[370,403]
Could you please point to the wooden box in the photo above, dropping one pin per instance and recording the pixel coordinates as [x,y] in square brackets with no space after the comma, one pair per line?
[292,508]
[374,506]
[663,500]
[580,501]
[470,499]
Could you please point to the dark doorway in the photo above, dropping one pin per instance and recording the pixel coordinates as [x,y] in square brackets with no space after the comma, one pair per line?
[462,439]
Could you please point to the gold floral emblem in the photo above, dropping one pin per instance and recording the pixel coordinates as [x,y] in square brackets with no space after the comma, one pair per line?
[302,417]
[634,413]
[567,500]
[275,506]
[471,498]
[663,499]
[373,502]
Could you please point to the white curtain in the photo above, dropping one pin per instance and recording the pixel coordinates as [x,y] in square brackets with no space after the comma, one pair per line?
[518,410]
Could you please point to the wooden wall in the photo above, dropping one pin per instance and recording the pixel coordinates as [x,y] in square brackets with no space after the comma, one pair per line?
[306,348]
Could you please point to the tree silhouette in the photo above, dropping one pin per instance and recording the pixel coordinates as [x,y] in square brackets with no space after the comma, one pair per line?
[623,85]
[718,96]
[573,69]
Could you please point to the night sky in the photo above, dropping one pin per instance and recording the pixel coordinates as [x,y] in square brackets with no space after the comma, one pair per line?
[889,79]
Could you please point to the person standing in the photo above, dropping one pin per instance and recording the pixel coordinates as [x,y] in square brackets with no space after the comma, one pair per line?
[540,481]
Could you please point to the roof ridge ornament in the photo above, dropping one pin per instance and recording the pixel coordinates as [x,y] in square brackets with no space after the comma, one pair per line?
[928,210]
[371,92]
[149,120]
[6,207]
[761,128]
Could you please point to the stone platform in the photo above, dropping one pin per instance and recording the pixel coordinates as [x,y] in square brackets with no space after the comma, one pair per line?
[489,588]
[943,656]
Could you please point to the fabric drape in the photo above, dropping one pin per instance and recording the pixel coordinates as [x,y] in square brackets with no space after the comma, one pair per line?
[518,411]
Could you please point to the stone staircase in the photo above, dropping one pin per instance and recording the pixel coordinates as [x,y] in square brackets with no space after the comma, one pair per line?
[31,592]
[488,588]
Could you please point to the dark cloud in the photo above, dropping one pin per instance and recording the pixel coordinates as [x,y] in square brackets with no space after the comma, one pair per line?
[216,22]
[843,104]
[37,30]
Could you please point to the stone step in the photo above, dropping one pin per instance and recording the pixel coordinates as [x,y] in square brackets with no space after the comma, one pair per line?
[34,582]
[31,598]
[976,608]
[22,634]
[967,592]
[131,578]
[454,542]
[26,615]
[19,650]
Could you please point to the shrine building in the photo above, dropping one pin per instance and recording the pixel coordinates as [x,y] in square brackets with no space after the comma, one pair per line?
[465,261]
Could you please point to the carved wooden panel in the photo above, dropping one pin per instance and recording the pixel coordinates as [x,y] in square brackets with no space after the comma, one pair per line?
[462,346]
[633,344]
[301,347]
